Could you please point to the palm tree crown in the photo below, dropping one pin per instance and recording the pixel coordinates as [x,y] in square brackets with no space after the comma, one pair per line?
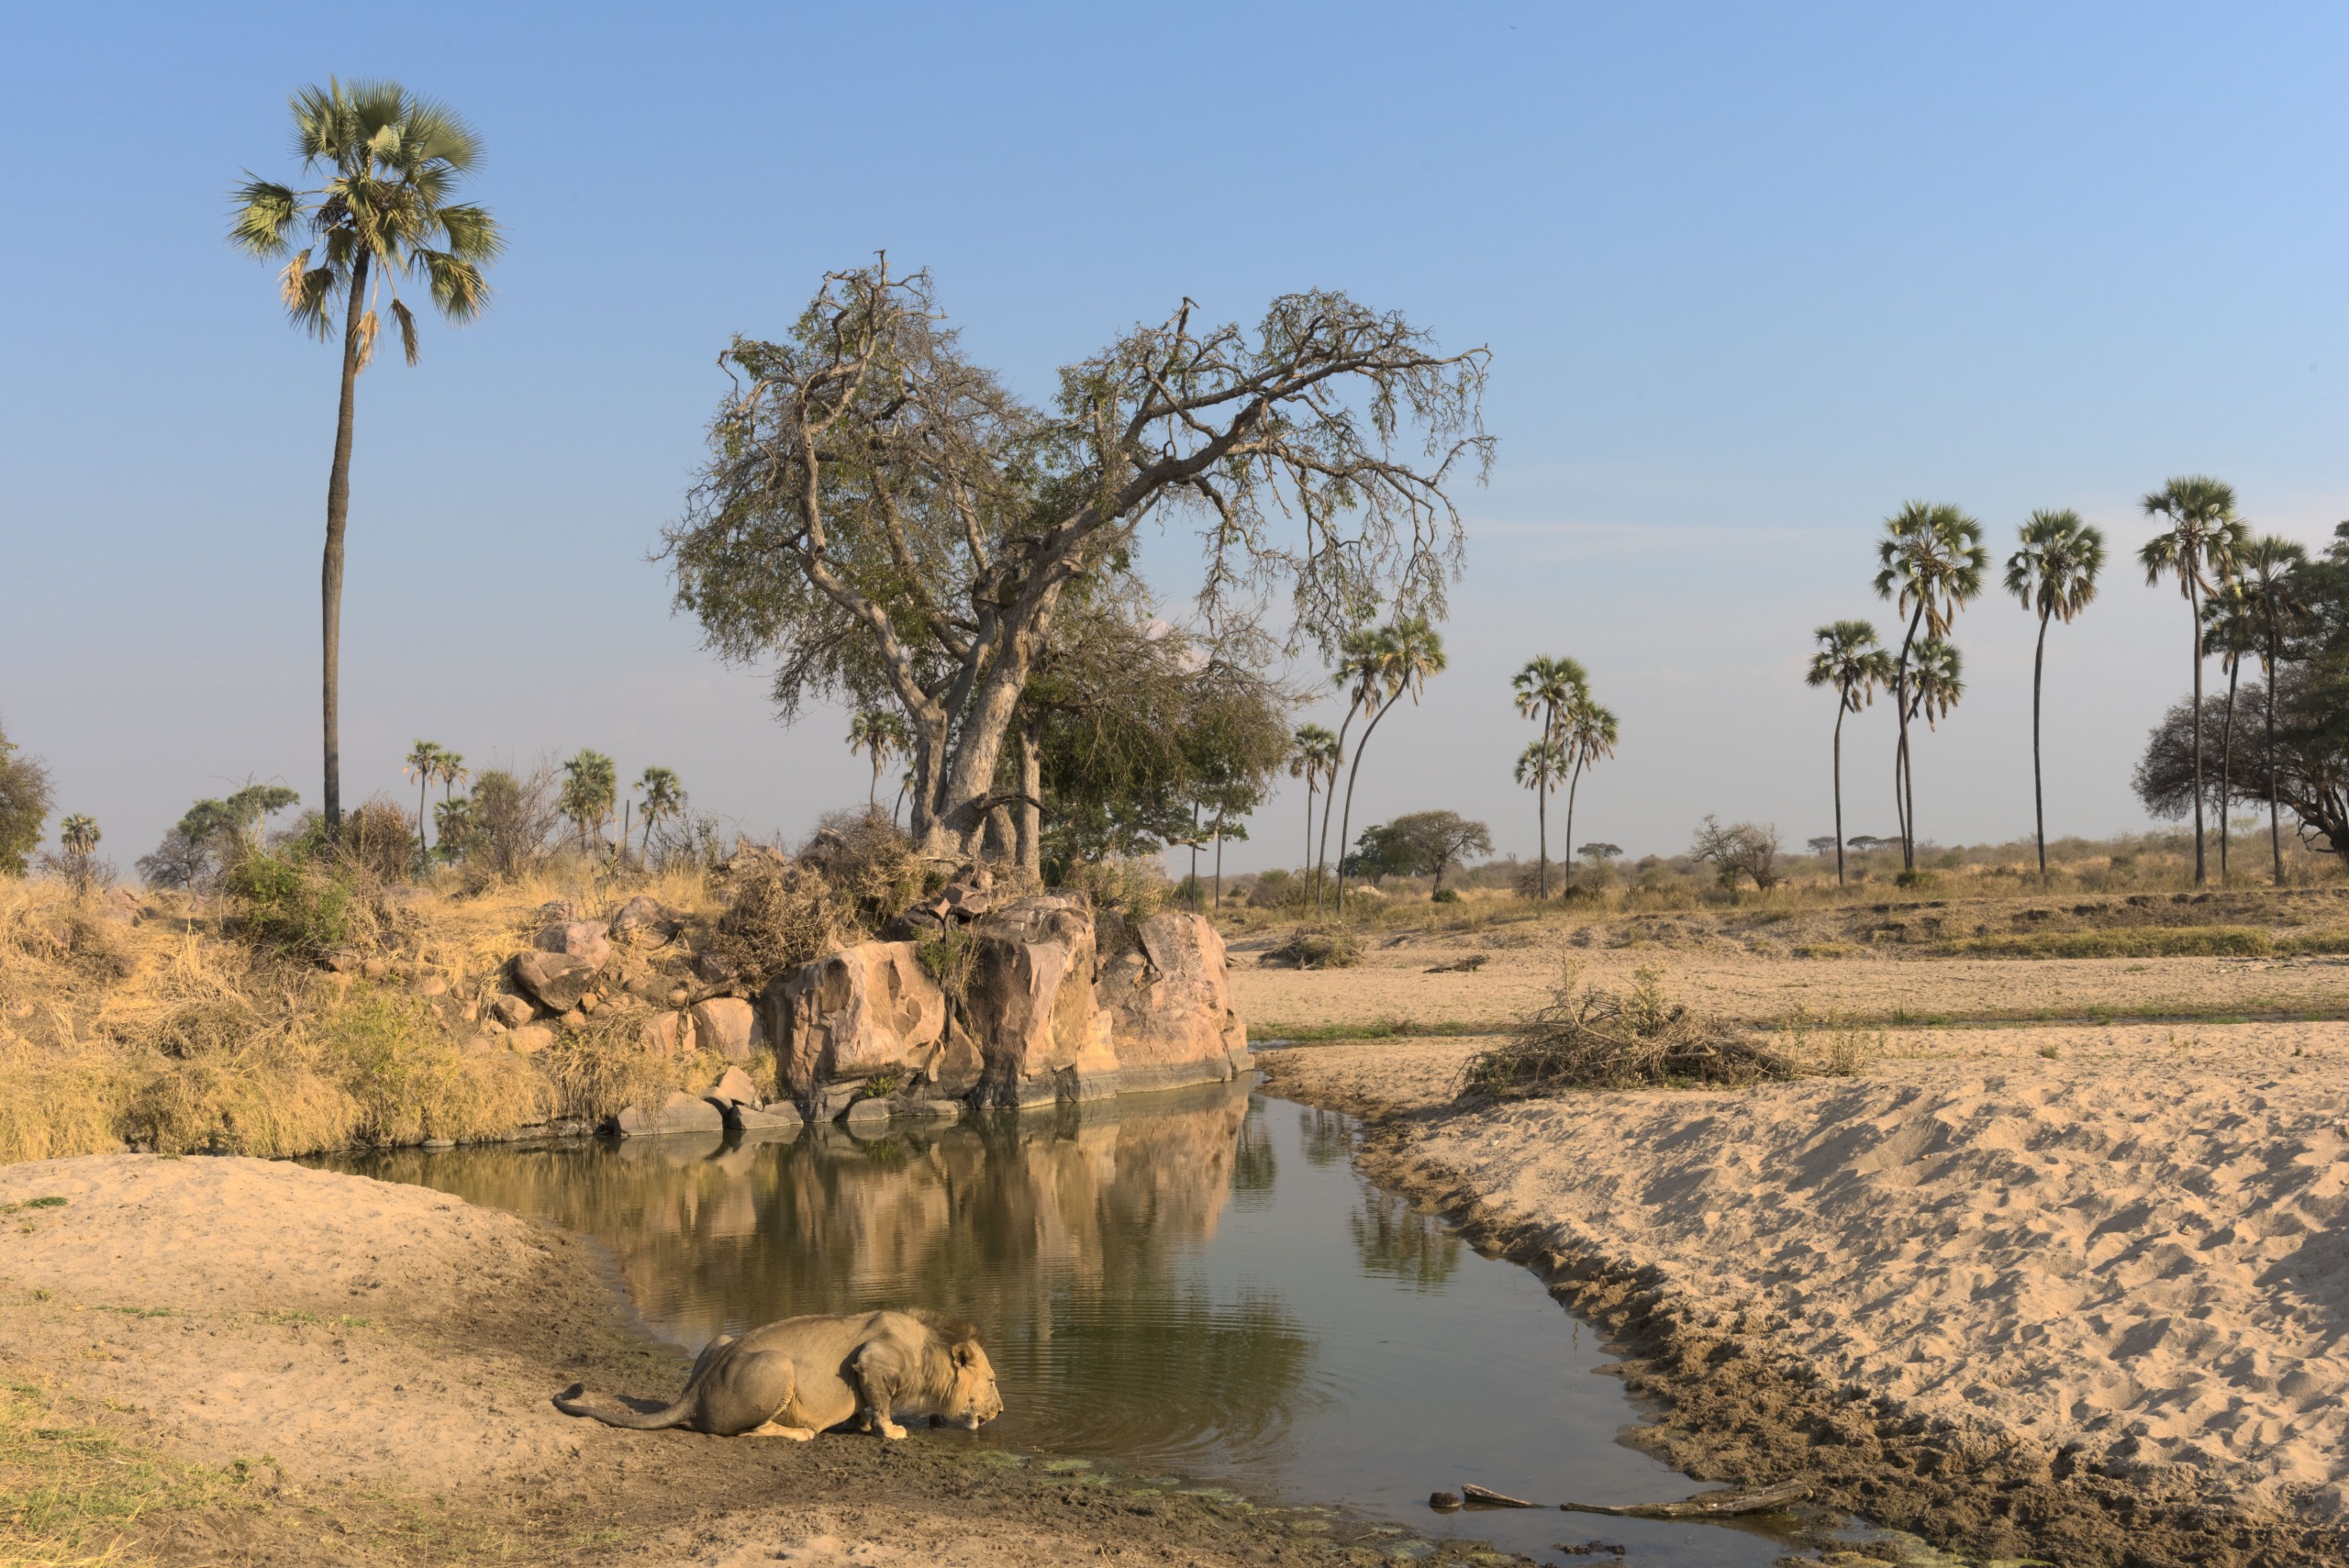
[590,789]
[79,834]
[1849,660]
[1546,686]
[2203,538]
[1932,562]
[392,160]
[2054,572]
[665,798]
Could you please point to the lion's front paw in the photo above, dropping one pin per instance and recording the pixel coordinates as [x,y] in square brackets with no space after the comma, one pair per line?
[889,1429]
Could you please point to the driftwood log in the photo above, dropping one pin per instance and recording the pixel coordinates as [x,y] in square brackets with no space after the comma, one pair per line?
[1703,1506]
[1492,1499]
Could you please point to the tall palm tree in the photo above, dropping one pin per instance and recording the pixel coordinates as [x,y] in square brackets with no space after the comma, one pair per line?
[1850,661]
[1363,655]
[391,160]
[1411,649]
[2229,629]
[1316,757]
[1936,680]
[1932,562]
[1589,734]
[881,735]
[590,790]
[1539,768]
[1545,688]
[2053,573]
[2198,546]
[423,765]
[663,797]
[79,835]
[452,772]
[2267,565]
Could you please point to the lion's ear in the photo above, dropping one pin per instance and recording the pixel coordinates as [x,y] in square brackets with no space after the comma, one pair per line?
[966,1353]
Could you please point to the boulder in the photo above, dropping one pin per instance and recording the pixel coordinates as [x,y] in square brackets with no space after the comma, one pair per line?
[866,1116]
[664,1034]
[851,1014]
[512,1011]
[1029,1004]
[782,1118]
[557,980]
[727,1026]
[733,1087]
[579,938]
[530,1039]
[680,1112]
[644,921]
[1168,1002]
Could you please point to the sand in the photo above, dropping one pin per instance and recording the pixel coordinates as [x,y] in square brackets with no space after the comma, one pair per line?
[1392,986]
[2131,1244]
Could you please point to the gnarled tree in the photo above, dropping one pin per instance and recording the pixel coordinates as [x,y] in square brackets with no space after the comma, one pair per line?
[881,516]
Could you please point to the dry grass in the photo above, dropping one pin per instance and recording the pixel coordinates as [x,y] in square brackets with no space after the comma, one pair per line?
[175,1034]
[1307,948]
[1588,1036]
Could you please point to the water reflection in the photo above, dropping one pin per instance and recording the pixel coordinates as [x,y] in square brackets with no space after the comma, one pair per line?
[1068,1237]
[1401,1243]
[1329,1137]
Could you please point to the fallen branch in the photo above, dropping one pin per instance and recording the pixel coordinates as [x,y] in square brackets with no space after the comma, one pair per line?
[1492,1499]
[1703,1506]
[1469,965]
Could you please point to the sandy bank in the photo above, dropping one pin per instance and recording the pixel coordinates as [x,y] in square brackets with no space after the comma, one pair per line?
[379,1359]
[2130,1248]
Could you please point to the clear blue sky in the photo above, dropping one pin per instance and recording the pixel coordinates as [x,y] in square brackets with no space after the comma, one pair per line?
[1752,277]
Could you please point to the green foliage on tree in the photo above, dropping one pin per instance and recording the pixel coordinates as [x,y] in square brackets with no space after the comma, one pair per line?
[25,802]
[1421,843]
[1930,564]
[2198,545]
[591,791]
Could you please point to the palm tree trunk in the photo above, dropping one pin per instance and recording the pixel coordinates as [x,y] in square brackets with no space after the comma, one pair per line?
[1194,857]
[1346,820]
[1541,814]
[1219,863]
[2194,605]
[1310,792]
[2038,794]
[2226,761]
[1573,783]
[644,850]
[330,570]
[1321,868]
[873,790]
[1903,798]
[2275,833]
[423,849]
[1844,693]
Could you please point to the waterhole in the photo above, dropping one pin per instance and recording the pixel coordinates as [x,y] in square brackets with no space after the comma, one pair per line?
[1196,1285]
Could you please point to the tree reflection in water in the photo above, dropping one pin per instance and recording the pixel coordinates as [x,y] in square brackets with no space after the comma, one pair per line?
[1329,1137]
[1071,1238]
[1400,1242]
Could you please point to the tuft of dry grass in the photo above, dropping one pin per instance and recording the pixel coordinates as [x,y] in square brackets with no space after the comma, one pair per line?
[1308,947]
[1587,1037]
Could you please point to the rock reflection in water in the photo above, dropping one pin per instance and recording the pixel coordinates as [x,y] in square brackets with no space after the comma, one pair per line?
[1068,1236]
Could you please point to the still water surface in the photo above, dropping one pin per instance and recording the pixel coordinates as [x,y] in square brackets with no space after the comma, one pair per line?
[1198,1283]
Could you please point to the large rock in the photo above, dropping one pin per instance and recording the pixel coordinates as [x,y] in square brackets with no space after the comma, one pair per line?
[511,1010]
[1029,1004]
[1169,1006]
[680,1112]
[727,1026]
[645,921]
[589,939]
[557,980]
[665,1034]
[733,1087]
[853,1015]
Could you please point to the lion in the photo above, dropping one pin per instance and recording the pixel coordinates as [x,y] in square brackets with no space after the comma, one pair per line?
[803,1375]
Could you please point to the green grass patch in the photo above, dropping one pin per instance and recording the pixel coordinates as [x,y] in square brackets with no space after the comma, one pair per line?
[50,1202]
[1381,1029]
[2155,942]
[69,1494]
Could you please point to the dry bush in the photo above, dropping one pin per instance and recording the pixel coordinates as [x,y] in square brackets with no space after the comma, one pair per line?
[378,841]
[782,915]
[871,865]
[1590,1038]
[1309,949]
[1132,887]
[602,1068]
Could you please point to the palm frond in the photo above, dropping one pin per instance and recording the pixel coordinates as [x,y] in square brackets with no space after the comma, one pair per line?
[457,287]
[369,325]
[438,132]
[473,235]
[267,214]
[408,329]
[308,296]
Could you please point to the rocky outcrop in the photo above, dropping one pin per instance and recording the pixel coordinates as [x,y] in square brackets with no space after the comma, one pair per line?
[726,1027]
[1037,1017]
[645,921]
[556,981]
[1168,999]
[861,1014]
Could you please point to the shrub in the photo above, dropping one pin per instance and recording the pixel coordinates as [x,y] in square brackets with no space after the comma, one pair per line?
[783,914]
[1318,950]
[297,908]
[1589,1038]
[870,864]
[1131,886]
[377,842]
[1445,895]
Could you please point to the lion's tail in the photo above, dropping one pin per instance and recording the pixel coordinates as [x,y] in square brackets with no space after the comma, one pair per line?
[573,1401]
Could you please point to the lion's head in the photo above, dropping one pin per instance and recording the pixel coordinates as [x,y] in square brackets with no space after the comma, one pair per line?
[971,1398]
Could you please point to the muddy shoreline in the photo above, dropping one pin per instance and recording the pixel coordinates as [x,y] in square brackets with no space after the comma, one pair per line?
[1732,1407]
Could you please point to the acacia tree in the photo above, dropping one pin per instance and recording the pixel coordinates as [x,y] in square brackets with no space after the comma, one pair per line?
[1545,688]
[1850,661]
[884,520]
[2054,573]
[392,160]
[25,800]
[2269,566]
[2199,544]
[1932,562]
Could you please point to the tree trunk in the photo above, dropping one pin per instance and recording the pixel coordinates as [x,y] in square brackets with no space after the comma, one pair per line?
[1904,797]
[1346,818]
[1573,783]
[423,849]
[873,790]
[1542,815]
[2194,606]
[626,806]
[1843,702]
[1194,857]
[2038,794]
[1309,791]
[330,570]
[1032,809]
[1321,868]
[1219,863]
[2275,833]
[2226,761]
